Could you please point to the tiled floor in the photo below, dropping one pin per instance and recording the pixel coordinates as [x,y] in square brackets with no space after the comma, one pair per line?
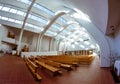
[14,71]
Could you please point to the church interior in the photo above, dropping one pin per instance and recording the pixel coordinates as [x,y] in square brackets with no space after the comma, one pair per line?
[59,42]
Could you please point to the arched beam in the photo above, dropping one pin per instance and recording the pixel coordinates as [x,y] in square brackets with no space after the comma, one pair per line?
[65,26]
[65,36]
[47,27]
[23,25]
[102,41]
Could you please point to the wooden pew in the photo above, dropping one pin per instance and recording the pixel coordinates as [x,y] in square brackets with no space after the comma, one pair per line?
[56,64]
[87,59]
[49,62]
[62,60]
[52,69]
[33,68]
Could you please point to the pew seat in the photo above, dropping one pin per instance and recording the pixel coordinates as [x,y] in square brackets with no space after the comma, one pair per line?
[33,68]
[54,70]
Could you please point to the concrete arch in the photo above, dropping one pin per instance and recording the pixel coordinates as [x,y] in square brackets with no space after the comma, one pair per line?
[65,26]
[23,26]
[98,30]
[102,41]
[47,27]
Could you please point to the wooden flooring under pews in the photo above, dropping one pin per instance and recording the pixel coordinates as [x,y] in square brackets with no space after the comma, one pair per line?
[13,70]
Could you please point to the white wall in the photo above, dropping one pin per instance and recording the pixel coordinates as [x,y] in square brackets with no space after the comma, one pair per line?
[29,39]
[45,43]
[55,45]
[4,32]
[3,35]
[61,46]
[117,43]
[34,42]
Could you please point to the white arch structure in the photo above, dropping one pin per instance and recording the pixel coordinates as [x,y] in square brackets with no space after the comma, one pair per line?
[47,27]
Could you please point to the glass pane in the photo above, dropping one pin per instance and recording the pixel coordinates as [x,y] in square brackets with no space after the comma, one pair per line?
[25,1]
[1,7]
[17,21]
[5,9]
[39,6]
[20,13]
[4,18]
[13,10]
[57,27]
[11,20]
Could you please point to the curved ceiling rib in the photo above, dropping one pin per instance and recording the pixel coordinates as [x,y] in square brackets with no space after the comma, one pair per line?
[47,27]
[52,21]
[22,29]
[65,26]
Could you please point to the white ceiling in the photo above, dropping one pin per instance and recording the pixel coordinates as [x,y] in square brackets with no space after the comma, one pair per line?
[93,8]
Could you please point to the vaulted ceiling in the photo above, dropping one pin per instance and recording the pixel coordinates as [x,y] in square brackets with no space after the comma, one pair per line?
[102,13]
[105,14]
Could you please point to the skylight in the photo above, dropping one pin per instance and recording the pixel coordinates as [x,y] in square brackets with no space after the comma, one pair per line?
[39,6]
[1,7]
[13,10]
[17,21]
[57,27]
[82,46]
[80,15]
[4,18]
[11,20]
[30,25]
[86,42]
[5,8]
[73,46]
[51,33]
[34,26]
[25,1]
[80,39]
[76,43]
[61,29]
[92,46]
[37,19]
[20,13]
[62,20]
[65,32]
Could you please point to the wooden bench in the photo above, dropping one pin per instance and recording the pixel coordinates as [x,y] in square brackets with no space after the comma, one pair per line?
[56,64]
[87,59]
[49,62]
[33,68]
[64,61]
[52,69]
[66,66]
